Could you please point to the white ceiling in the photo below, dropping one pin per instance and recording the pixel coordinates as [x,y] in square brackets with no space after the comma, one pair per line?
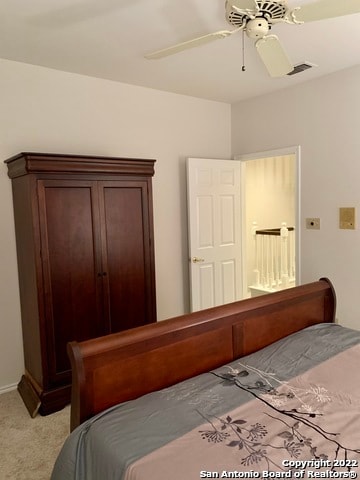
[108,39]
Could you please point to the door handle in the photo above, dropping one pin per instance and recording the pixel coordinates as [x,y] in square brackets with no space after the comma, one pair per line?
[197,260]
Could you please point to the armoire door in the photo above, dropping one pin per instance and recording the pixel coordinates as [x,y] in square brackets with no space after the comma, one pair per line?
[72,282]
[85,251]
[127,254]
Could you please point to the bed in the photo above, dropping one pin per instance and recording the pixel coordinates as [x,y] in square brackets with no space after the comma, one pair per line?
[266,387]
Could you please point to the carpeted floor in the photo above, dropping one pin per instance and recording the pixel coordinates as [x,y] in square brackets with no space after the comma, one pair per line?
[29,446]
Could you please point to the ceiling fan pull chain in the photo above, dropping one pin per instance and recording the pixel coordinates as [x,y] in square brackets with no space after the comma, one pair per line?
[243,51]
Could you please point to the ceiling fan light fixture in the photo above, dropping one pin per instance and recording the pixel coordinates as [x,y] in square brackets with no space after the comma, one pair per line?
[257,28]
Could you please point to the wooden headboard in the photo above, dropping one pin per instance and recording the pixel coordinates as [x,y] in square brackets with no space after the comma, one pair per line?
[122,366]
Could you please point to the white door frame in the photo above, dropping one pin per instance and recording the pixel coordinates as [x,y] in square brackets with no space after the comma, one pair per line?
[292,150]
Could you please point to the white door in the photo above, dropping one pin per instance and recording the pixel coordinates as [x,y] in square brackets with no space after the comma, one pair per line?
[214,216]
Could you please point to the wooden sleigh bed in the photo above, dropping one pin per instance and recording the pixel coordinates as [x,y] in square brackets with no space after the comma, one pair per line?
[122,366]
[234,391]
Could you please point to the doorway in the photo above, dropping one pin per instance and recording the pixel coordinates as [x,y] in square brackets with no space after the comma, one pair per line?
[225,198]
[270,184]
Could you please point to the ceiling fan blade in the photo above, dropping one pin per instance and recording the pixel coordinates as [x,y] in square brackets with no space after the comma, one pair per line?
[273,56]
[322,9]
[195,42]
[244,4]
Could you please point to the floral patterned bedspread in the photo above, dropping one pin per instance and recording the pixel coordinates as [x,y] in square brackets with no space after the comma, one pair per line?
[286,427]
[291,410]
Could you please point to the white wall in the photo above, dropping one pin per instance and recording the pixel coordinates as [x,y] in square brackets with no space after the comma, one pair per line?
[323,116]
[44,110]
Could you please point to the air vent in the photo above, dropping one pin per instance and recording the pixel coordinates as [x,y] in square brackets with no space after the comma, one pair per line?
[301,67]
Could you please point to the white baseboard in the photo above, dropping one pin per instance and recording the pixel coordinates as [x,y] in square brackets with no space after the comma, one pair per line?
[8,388]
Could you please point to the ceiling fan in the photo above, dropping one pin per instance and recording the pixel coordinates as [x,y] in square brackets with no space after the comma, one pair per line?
[256,17]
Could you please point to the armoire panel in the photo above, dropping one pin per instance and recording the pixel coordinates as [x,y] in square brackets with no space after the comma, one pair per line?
[127,253]
[70,256]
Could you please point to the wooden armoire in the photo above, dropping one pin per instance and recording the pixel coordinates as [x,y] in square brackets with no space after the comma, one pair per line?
[85,249]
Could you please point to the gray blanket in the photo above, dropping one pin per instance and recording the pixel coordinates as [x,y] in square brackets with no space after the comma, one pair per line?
[134,440]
